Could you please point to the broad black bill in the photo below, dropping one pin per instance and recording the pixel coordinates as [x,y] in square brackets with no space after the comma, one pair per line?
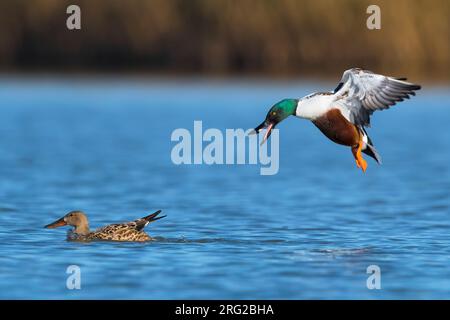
[264,125]
[261,126]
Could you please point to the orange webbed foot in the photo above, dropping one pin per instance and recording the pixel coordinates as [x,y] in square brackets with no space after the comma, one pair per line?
[360,162]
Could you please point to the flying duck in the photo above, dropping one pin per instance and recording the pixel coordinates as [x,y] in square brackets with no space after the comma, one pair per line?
[343,114]
[130,231]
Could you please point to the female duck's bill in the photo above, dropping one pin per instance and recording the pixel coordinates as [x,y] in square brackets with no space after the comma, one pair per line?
[58,223]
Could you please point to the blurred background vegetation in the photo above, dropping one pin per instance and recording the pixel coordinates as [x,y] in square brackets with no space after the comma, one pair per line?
[223,37]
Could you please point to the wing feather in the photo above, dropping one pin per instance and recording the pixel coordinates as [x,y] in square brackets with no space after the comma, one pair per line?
[363,92]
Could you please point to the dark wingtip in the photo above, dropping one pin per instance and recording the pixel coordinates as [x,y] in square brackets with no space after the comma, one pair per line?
[407,85]
[339,86]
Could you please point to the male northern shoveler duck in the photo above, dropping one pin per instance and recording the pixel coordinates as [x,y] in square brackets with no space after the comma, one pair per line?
[130,231]
[342,114]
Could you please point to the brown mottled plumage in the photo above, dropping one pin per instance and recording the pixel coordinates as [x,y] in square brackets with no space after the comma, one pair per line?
[130,231]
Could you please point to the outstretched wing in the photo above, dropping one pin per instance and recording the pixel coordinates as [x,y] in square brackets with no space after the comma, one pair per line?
[361,92]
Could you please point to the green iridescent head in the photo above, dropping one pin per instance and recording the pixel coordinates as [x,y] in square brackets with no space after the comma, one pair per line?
[280,111]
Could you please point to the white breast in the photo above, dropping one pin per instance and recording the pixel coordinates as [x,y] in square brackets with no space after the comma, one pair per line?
[314,105]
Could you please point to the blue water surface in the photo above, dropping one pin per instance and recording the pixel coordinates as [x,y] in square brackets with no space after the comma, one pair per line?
[104,146]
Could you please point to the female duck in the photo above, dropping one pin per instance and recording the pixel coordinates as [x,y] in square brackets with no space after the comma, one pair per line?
[130,231]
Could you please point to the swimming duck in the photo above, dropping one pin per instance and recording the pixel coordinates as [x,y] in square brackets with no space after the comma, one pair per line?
[130,231]
[343,114]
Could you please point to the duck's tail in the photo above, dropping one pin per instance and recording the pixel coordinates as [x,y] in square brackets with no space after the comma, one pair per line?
[143,222]
[369,149]
[153,217]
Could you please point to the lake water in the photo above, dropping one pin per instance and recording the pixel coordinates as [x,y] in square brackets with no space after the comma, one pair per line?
[310,231]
